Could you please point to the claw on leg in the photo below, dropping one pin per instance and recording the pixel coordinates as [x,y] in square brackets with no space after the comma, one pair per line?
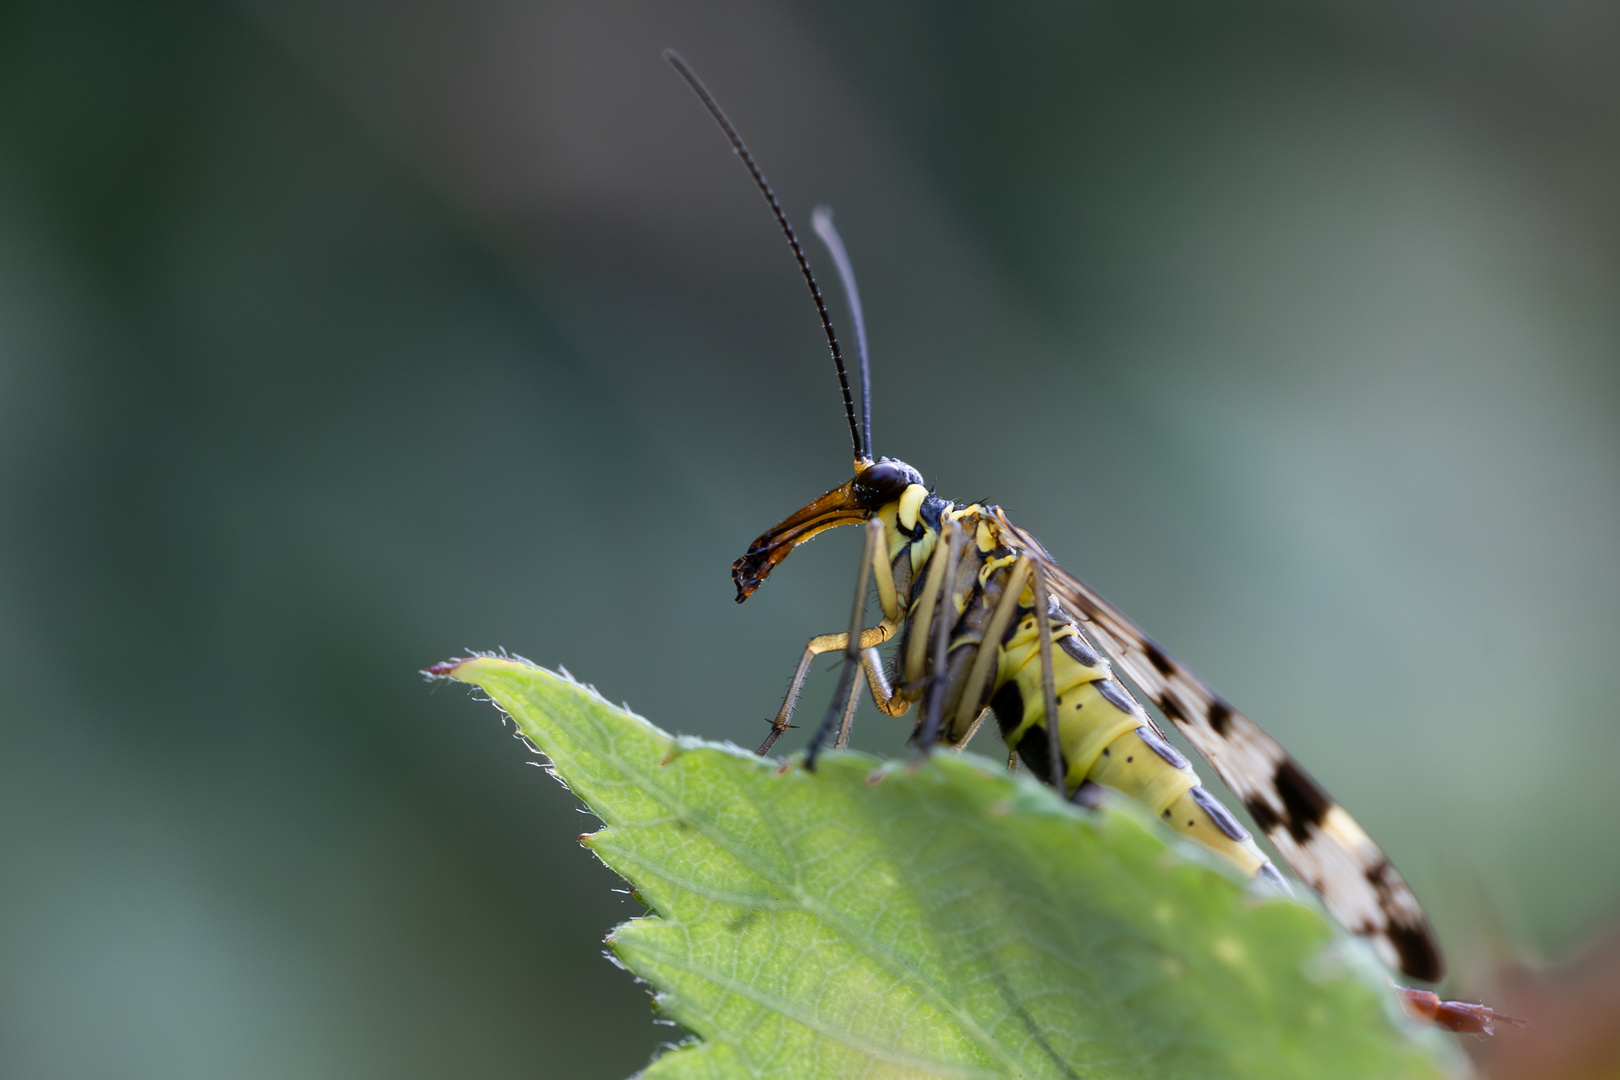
[770,740]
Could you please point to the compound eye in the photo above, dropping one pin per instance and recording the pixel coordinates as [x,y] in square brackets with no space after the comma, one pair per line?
[883,483]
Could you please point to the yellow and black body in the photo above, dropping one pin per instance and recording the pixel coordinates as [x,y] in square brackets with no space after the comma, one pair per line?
[982,620]
[970,643]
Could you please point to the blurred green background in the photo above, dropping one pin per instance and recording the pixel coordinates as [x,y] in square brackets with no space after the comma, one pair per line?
[338,338]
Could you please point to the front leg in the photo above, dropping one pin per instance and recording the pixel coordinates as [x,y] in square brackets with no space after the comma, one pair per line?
[874,560]
[870,638]
[887,700]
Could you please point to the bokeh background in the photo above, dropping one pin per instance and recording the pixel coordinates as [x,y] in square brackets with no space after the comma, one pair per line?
[337,338]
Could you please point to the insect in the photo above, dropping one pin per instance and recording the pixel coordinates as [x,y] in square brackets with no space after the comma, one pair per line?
[986,623]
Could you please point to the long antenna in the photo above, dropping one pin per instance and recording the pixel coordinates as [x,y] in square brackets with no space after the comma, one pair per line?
[741,150]
[821,220]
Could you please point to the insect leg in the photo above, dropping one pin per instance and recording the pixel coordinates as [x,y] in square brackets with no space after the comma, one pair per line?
[940,626]
[922,619]
[968,705]
[849,714]
[1043,639]
[973,729]
[870,638]
[817,646]
[870,661]
[883,576]
[891,703]
[852,648]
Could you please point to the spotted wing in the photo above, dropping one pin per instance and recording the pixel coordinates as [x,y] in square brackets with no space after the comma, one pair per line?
[1318,840]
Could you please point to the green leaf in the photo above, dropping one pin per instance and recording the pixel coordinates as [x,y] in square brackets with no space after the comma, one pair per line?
[942,921]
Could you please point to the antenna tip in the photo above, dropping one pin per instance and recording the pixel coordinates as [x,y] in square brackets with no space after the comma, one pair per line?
[671,54]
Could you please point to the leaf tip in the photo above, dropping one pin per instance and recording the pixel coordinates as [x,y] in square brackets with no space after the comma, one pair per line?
[445,669]
[471,667]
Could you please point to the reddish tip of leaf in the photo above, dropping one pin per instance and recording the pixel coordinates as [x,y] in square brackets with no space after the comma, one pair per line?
[445,668]
[585,839]
[782,769]
[876,776]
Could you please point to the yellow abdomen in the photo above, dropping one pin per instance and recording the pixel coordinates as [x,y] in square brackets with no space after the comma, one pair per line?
[1105,737]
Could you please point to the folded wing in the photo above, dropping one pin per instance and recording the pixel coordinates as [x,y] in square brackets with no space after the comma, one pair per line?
[1314,835]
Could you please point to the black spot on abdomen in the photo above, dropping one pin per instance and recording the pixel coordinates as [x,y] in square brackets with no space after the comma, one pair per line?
[1008,705]
[1034,752]
[1034,748]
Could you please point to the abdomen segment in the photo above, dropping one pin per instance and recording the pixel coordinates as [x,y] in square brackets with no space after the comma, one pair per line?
[1105,737]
